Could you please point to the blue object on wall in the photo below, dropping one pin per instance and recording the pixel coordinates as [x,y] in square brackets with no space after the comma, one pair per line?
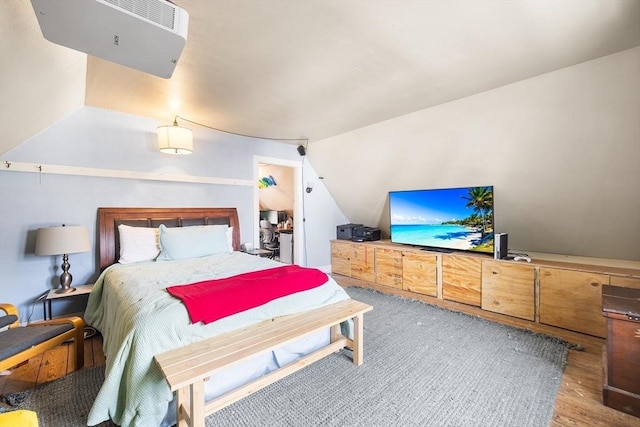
[267,181]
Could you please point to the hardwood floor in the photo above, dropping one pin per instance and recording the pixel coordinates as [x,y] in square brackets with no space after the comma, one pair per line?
[51,365]
[579,400]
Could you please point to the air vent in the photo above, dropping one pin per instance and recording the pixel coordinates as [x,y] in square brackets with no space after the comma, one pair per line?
[158,11]
[148,35]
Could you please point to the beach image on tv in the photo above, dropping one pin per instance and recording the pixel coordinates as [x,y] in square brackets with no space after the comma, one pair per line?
[452,218]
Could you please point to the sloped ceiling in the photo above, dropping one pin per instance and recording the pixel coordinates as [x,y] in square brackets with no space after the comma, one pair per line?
[315,69]
[40,82]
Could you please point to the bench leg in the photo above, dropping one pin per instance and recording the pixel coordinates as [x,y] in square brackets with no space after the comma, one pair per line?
[358,347]
[197,404]
[182,399]
[190,405]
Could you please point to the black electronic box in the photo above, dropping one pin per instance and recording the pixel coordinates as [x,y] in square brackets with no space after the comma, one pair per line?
[345,231]
[362,234]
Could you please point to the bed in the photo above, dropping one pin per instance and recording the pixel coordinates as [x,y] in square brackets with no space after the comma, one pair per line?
[138,318]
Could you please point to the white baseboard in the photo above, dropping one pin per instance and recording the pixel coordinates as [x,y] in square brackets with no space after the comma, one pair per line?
[325,268]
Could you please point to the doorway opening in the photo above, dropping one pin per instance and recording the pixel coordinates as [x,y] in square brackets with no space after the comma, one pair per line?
[278,196]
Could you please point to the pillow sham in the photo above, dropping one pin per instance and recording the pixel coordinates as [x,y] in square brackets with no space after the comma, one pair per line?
[192,242]
[138,244]
[230,239]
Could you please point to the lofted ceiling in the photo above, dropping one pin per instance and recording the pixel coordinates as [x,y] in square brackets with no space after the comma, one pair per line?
[316,69]
[320,68]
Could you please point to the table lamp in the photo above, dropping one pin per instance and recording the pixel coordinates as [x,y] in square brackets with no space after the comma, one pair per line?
[63,241]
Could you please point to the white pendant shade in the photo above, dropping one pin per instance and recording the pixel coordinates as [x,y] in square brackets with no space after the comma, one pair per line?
[175,140]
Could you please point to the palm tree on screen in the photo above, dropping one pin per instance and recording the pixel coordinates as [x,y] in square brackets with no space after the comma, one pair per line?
[481,200]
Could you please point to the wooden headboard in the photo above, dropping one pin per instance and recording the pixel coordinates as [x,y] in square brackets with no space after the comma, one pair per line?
[110,218]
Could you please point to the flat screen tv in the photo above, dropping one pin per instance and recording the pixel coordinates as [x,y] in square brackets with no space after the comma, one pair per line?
[443,219]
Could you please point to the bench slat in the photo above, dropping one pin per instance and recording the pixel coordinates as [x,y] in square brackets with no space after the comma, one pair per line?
[186,368]
[205,357]
[188,355]
[185,354]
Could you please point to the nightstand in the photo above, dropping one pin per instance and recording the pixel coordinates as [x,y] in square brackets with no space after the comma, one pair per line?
[52,295]
[258,252]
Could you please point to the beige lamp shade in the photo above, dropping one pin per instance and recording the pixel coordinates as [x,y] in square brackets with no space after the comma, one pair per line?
[175,139]
[62,240]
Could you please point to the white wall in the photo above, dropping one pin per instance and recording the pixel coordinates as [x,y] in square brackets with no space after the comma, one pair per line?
[562,151]
[96,138]
[321,215]
[277,197]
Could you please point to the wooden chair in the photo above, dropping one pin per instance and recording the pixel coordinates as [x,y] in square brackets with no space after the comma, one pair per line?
[20,343]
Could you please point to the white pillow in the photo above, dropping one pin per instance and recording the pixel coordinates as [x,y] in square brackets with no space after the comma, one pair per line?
[230,239]
[138,244]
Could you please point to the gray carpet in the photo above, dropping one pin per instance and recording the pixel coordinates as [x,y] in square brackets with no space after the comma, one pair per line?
[423,366]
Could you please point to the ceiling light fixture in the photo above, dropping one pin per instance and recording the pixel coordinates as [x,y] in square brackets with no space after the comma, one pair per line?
[175,139]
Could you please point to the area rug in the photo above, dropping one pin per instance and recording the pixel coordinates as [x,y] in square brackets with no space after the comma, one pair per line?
[423,366]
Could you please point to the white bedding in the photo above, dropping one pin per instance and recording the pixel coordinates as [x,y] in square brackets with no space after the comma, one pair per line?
[138,319]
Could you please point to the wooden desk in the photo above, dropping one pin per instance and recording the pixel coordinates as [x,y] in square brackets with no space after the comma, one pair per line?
[621,355]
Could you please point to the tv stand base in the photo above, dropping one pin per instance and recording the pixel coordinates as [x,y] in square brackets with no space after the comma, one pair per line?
[439,250]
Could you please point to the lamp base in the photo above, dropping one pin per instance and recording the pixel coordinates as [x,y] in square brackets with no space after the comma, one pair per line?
[65,277]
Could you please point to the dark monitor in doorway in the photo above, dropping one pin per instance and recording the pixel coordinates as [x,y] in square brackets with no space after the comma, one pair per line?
[274,217]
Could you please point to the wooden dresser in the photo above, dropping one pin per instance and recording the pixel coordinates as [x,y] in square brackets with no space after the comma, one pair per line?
[556,290]
[621,358]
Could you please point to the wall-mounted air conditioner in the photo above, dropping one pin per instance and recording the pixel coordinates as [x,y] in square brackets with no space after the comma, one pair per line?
[148,35]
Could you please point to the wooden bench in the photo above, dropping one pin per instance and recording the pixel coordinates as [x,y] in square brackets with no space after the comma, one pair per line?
[187,368]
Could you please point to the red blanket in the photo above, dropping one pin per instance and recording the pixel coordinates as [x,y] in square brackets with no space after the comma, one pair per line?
[211,300]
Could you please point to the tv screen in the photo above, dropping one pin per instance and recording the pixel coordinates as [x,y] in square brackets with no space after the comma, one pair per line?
[445,218]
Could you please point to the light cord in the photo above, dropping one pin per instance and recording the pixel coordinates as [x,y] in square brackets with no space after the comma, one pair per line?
[306,140]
